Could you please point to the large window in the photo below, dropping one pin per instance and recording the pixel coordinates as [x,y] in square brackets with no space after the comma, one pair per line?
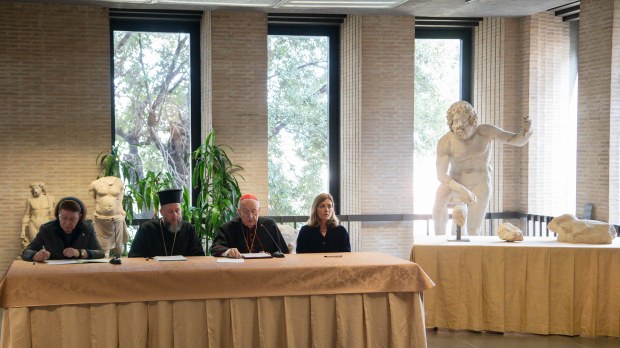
[303,116]
[442,77]
[155,84]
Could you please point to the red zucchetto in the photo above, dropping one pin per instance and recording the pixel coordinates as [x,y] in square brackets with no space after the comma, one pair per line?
[248,196]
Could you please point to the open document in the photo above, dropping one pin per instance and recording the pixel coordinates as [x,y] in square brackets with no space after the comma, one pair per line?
[170,258]
[73,261]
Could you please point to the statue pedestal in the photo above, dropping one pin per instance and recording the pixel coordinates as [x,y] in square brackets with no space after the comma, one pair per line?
[458,236]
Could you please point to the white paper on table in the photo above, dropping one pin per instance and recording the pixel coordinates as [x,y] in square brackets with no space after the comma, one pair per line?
[170,258]
[226,260]
[95,261]
[60,262]
[74,261]
[256,256]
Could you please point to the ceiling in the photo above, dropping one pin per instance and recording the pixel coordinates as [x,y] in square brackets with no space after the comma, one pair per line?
[420,8]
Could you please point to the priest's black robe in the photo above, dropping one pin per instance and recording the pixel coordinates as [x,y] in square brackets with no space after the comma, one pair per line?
[151,236]
[265,236]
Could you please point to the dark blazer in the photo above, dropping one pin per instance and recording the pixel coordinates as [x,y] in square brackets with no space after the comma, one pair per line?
[310,240]
[55,240]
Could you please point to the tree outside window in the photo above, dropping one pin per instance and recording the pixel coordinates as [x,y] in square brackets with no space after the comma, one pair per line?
[155,64]
[152,101]
[298,122]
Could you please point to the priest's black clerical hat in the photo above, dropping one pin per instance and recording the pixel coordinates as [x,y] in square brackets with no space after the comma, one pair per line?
[169,196]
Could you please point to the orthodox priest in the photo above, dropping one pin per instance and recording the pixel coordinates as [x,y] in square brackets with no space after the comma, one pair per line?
[248,233]
[169,235]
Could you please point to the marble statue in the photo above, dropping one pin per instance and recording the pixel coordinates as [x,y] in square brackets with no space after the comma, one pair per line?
[572,230]
[109,214]
[39,210]
[463,165]
[509,232]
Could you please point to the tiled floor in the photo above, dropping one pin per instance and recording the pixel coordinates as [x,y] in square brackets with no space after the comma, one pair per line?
[468,339]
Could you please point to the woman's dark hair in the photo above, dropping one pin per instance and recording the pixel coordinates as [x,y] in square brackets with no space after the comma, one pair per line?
[70,204]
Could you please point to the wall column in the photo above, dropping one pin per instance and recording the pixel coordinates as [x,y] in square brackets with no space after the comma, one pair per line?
[599,108]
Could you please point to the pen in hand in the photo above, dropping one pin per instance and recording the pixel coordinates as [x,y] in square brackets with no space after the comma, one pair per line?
[34,262]
[42,249]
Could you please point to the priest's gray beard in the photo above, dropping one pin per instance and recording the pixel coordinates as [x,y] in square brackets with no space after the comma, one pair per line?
[174,228]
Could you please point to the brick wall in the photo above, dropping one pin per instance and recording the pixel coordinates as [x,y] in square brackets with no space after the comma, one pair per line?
[514,106]
[351,123]
[239,92]
[521,68]
[552,146]
[593,137]
[55,113]
[614,123]
[488,96]
[386,148]
[496,97]
[206,122]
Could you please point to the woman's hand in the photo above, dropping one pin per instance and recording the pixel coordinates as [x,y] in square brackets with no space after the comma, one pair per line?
[71,253]
[41,255]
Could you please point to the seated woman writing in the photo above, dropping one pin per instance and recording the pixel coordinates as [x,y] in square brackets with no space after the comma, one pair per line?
[323,232]
[67,237]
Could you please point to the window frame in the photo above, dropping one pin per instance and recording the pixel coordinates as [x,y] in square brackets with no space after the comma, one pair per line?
[332,32]
[164,22]
[465,35]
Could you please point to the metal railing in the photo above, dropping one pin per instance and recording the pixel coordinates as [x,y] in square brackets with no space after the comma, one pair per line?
[535,225]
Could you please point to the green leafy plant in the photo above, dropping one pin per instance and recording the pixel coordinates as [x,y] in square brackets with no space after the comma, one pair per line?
[146,190]
[215,178]
[112,165]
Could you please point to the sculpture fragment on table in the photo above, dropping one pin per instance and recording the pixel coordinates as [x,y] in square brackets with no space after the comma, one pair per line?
[572,230]
[463,164]
[39,210]
[109,216]
[459,216]
[509,232]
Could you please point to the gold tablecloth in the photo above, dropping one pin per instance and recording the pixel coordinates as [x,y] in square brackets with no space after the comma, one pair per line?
[535,286]
[357,300]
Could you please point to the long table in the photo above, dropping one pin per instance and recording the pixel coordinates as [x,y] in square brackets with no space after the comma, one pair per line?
[304,300]
[535,286]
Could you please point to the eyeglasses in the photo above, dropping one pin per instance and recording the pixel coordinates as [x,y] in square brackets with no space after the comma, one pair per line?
[68,219]
[246,212]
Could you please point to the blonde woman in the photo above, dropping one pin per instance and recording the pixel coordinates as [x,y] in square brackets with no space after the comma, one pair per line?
[323,232]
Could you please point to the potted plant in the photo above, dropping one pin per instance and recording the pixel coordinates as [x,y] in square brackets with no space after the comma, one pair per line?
[214,178]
